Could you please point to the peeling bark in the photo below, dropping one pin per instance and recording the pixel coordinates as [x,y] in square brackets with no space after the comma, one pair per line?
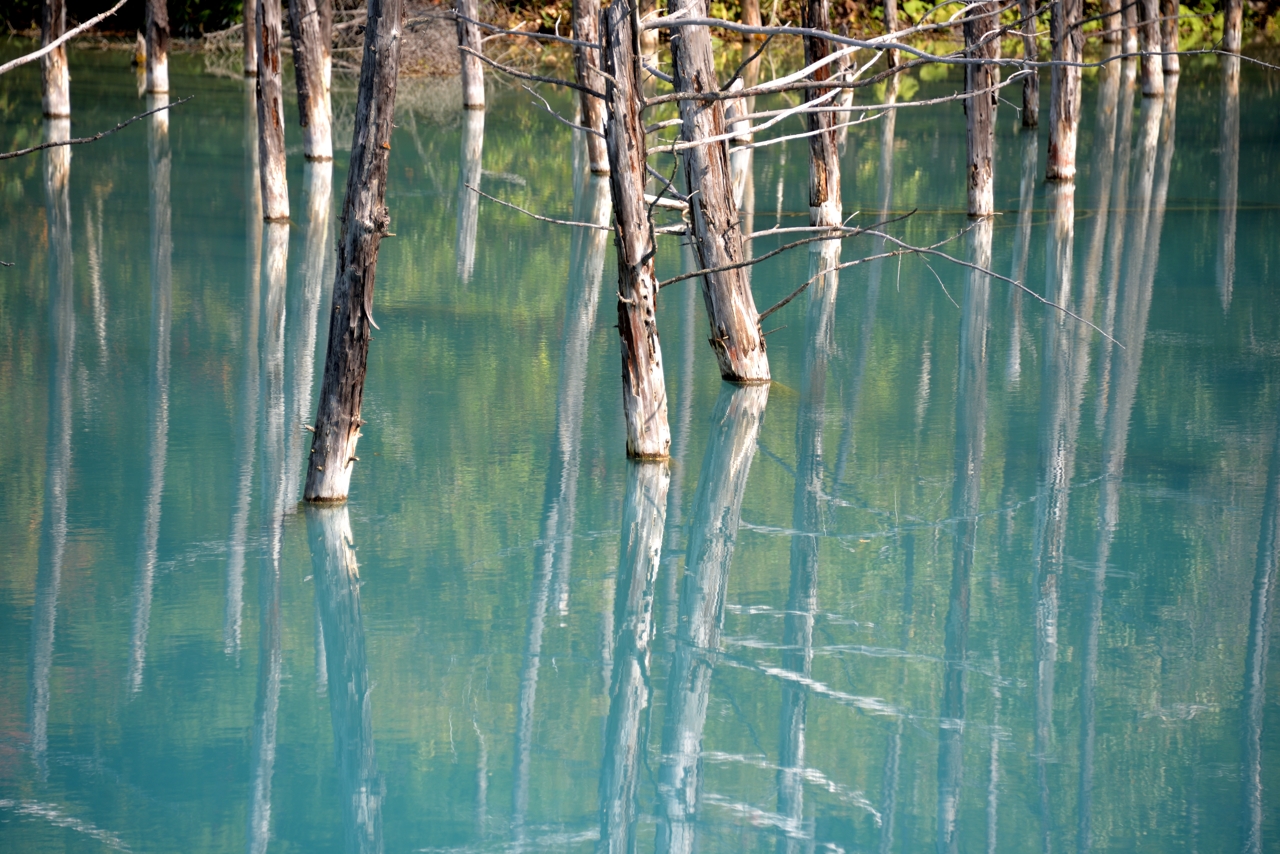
[309,54]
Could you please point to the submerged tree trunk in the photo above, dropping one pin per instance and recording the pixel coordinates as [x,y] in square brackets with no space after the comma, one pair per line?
[824,156]
[469,173]
[980,110]
[157,23]
[55,77]
[1129,26]
[1232,25]
[271,158]
[644,391]
[587,62]
[469,50]
[1112,24]
[1031,52]
[1169,35]
[1150,44]
[1064,98]
[309,54]
[251,38]
[1228,178]
[364,223]
[731,309]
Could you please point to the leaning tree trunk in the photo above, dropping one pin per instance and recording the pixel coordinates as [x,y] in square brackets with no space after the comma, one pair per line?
[469,55]
[313,93]
[271,163]
[1030,52]
[586,61]
[980,110]
[364,223]
[1064,96]
[824,156]
[1149,43]
[1169,35]
[644,389]
[55,76]
[157,46]
[735,324]
[1232,26]
[251,38]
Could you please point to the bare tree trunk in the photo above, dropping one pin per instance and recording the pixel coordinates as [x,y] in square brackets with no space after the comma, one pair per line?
[469,48]
[1232,25]
[891,26]
[824,156]
[1064,98]
[1169,35]
[325,10]
[157,46]
[364,223]
[1150,44]
[644,390]
[1228,178]
[1030,51]
[271,157]
[731,309]
[55,77]
[251,38]
[1112,25]
[1129,25]
[309,56]
[470,171]
[980,110]
[586,61]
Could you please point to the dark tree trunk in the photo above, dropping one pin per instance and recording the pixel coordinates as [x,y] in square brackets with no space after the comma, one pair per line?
[586,62]
[271,158]
[54,76]
[824,155]
[1064,97]
[1169,35]
[1030,51]
[157,23]
[364,223]
[309,59]
[980,110]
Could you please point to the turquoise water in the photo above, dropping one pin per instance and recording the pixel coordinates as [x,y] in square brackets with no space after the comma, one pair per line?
[967,576]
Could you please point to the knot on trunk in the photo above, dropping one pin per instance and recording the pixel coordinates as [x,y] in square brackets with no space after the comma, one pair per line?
[381,220]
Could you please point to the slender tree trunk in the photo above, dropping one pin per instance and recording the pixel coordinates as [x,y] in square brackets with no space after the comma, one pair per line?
[271,157]
[324,9]
[1030,51]
[251,38]
[157,23]
[891,26]
[1228,178]
[1129,25]
[469,50]
[751,17]
[980,110]
[1064,98]
[824,155]
[736,337]
[364,223]
[1232,25]
[1112,25]
[1169,35]
[586,62]
[644,391]
[55,77]
[1150,44]
[309,66]
[470,172]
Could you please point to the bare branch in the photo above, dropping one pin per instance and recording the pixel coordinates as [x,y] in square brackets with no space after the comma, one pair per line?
[546,106]
[97,136]
[506,69]
[53,45]
[538,216]
[501,32]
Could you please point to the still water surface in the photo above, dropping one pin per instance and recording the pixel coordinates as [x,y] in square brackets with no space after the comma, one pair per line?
[967,576]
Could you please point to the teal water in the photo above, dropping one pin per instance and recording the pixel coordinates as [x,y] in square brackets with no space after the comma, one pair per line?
[967,576]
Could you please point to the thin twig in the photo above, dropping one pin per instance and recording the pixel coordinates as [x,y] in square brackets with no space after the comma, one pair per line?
[53,45]
[538,216]
[97,136]
[546,106]
[530,35]
[555,81]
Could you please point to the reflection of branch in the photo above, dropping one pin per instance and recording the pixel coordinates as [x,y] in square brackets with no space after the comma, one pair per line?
[97,136]
[537,216]
[69,34]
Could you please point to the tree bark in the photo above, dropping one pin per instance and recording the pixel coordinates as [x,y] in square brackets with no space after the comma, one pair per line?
[644,390]
[469,173]
[1064,98]
[251,38]
[1228,178]
[55,77]
[1129,25]
[731,309]
[157,22]
[306,29]
[1169,35]
[271,158]
[891,26]
[468,48]
[1030,51]
[586,62]
[1232,26]
[1150,44]
[364,223]
[824,155]
[1112,24]
[980,110]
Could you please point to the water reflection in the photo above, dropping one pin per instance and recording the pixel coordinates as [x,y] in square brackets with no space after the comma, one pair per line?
[1021,251]
[1228,178]
[469,173]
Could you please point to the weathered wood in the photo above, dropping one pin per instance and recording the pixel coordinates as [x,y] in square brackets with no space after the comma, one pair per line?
[1232,25]
[980,110]
[1064,96]
[157,23]
[1129,26]
[1030,51]
[1169,35]
[1112,24]
[644,390]
[824,155]
[251,38]
[324,9]
[364,223]
[468,48]
[1228,178]
[890,26]
[55,77]
[586,62]
[1150,44]
[736,337]
[469,173]
[271,158]
[305,27]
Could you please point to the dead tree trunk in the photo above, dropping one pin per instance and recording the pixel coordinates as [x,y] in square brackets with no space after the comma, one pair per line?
[731,308]
[824,156]
[644,390]
[1031,52]
[158,46]
[891,26]
[980,110]
[469,50]
[1228,178]
[1150,44]
[364,222]
[271,161]
[325,10]
[55,77]
[313,93]
[1111,21]
[251,38]
[1064,97]
[1232,26]
[1129,26]
[586,62]
[1169,35]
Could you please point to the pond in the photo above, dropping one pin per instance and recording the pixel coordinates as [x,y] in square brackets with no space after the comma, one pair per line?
[971,574]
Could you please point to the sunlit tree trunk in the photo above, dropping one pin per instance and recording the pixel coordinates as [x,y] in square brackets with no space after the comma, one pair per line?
[55,77]
[1129,26]
[469,174]
[1064,97]
[824,155]
[364,223]
[157,24]
[1169,35]
[469,50]
[891,26]
[1232,25]
[271,159]
[980,24]
[1030,51]
[1228,178]
[251,38]
[1112,25]
[586,62]
[309,60]
[1150,44]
